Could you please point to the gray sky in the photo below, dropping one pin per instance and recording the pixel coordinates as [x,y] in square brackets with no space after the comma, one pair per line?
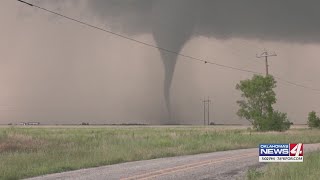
[56,71]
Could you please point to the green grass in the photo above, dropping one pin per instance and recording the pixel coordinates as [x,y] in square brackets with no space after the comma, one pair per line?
[308,170]
[254,174]
[28,152]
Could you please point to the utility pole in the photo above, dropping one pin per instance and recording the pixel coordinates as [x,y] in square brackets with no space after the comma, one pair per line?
[208,101]
[206,111]
[266,54]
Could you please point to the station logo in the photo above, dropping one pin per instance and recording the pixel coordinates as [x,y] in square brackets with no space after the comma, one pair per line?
[281,152]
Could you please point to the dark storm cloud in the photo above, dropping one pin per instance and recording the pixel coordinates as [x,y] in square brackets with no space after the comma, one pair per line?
[174,22]
[293,20]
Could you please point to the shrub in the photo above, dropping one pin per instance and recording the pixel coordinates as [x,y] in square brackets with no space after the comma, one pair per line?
[279,121]
[313,120]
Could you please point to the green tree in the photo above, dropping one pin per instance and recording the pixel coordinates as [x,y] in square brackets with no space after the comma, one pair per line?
[278,122]
[313,120]
[256,106]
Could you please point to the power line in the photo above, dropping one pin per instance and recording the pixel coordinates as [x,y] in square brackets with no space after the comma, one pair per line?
[140,42]
[161,48]
[298,85]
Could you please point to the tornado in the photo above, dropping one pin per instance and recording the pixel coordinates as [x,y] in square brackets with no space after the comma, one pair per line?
[171,30]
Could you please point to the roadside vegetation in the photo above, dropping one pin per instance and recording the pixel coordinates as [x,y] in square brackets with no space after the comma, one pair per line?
[33,151]
[308,170]
[313,120]
[258,98]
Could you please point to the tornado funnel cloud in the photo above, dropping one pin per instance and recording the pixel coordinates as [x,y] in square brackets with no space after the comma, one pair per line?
[169,63]
[171,30]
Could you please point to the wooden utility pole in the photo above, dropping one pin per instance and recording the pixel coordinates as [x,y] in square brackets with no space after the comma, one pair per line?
[208,101]
[206,111]
[266,54]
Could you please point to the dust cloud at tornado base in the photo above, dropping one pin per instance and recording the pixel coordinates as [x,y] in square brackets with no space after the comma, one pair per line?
[65,73]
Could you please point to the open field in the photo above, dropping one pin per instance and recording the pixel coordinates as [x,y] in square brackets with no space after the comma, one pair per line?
[309,169]
[300,126]
[33,151]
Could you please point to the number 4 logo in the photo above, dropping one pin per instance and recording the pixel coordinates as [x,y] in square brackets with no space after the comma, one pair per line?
[296,149]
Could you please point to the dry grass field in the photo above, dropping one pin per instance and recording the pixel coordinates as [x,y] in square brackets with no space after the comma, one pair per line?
[33,151]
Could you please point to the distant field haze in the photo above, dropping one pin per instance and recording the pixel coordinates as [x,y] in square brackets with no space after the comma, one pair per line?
[55,71]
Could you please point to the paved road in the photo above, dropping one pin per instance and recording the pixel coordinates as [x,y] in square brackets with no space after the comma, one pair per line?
[218,165]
